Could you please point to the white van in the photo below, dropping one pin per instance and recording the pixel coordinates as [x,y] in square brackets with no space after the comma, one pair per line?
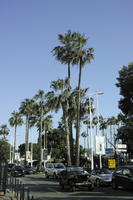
[53,169]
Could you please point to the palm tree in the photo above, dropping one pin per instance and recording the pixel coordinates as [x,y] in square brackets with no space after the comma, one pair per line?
[47,126]
[27,108]
[41,110]
[58,98]
[81,57]
[65,52]
[72,52]
[15,121]
[112,122]
[103,124]
[84,135]
[4,131]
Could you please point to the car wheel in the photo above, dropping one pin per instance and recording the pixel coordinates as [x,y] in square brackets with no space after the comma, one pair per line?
[114,185]
[98,183]
[54,176]
[47,176]
[72,186]
[90,187]
[61,185]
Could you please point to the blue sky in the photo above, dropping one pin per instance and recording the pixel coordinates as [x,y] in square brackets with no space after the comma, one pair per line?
[28,33]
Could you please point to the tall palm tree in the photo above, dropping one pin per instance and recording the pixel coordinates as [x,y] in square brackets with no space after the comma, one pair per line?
[41,110]
[112,122]
[58,98]
[81,57]
[64,53]
[15,120]
[4,131]
[27,109]
[84,135]
[47,126]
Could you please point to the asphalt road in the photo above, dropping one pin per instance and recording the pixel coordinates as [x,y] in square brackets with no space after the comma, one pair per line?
[49,189]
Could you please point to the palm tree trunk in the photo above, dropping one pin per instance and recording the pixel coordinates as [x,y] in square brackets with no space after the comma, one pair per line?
[27,138]
[69,73]
[14,149]
[65,113]
[71,140]
[78,119]
[40,141]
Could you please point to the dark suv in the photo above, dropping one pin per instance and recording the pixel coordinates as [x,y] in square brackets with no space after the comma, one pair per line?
[75,177]
[17,171]
[123,176]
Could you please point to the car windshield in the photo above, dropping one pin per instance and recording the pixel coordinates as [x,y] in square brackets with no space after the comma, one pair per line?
[59,166]
[19,167]
[105,171]
[76,169]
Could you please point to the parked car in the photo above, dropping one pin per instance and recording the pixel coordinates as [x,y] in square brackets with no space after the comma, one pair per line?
[10,166]
[53,169]
[17,171]
[123,176]
[101,176]
[74,177]
[29,170]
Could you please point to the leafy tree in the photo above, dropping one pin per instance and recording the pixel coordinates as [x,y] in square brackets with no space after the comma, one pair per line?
[125,83]
[21,149]
[4,149]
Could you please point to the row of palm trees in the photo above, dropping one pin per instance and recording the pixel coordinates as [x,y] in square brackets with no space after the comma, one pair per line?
[108,128]
[73,102]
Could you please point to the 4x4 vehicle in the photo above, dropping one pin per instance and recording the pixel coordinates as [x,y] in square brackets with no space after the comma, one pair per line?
[123,176]
[17,171]
[53,169]
[75,177]
[101,176]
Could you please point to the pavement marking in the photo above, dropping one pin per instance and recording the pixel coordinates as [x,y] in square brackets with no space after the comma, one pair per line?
[53,190]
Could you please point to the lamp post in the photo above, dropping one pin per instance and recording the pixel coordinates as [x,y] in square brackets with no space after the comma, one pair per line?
[97,94]
[91,138]
[91,135]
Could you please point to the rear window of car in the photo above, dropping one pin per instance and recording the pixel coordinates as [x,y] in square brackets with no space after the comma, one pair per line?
[49,165]
[105,171]
[60,165]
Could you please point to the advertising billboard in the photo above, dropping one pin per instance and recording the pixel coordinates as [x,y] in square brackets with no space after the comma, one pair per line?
[100,145]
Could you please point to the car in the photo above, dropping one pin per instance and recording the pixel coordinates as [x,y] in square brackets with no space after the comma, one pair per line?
[17,171]
[53,169]
[29,170]
[123,177]
[10,166]
[101,176]
[75,177]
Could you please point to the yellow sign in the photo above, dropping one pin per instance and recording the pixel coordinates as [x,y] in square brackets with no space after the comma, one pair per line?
[111,163]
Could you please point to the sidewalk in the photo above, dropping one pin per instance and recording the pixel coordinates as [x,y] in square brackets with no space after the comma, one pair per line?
[7,196]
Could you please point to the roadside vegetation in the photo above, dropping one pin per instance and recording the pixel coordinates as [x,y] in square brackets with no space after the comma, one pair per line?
[74,103]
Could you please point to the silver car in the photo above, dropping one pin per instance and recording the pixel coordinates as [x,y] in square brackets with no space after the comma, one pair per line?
[53,169]
[101,176]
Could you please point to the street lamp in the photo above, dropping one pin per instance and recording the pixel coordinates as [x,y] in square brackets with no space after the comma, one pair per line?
[91,135]
[97,94]
[91,140]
